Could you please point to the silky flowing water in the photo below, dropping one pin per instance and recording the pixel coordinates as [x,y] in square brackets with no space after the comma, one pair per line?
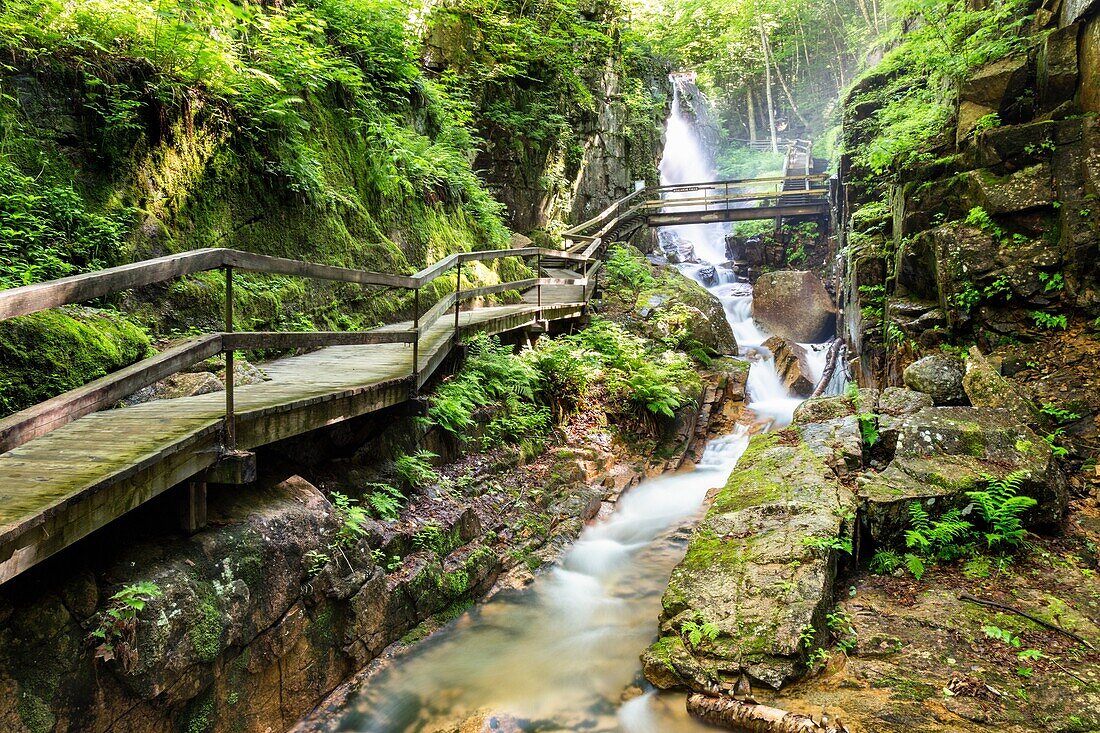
[559,654]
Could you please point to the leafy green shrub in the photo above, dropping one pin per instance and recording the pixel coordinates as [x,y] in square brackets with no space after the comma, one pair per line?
[352,518]
[885,562]
[416,469]
[1048,321]
[627,270]
[943,539]
[697,629]
[565,372]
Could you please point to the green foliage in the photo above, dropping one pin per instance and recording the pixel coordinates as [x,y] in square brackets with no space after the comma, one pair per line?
[823,544]
[263,67]
[1052,282]
[936,43]
[944,539]
[995,632]
[118,623]
[1059,414]
[416,470]
[987,122]
[968,297]
[1001,509]
[650,383]
[842,629]
[47,232]
[385,501]
[626,271]
[885,562]
[352,518]
[1048,321]
[868,428]
[431,537]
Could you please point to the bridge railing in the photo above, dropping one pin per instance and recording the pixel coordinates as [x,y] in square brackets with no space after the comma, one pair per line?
[40,419]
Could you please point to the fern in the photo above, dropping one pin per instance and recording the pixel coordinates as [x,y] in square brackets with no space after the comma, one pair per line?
[385,500]
[415,470]
[915,565]
[1001,509]
[699,629]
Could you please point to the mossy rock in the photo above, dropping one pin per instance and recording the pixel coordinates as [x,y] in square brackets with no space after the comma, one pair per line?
[47,353]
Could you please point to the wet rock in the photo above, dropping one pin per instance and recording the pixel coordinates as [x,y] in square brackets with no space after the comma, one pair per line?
[837,442]
[795,305]
[995,82]
[986,388]
[793,364]
[939,376]
[943,452]
[1057,67]
[759,567]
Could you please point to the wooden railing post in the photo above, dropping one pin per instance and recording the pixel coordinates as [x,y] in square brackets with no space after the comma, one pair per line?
[538,285]
[458,294]
[416,343]
[230,419]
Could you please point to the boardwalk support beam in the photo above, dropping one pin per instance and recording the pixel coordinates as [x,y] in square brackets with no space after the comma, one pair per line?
[193,507]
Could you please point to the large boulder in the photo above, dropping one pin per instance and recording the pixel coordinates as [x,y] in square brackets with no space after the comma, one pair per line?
[939,376]
[795,305]
[681,309]
[792,362]
[943,452]
[997,83]
[760,567]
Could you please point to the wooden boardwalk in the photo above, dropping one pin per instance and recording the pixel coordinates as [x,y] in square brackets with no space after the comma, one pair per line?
[70,466]
[62,486]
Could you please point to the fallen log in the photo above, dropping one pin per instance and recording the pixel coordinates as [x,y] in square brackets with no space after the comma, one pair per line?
[748,717]
[832,359]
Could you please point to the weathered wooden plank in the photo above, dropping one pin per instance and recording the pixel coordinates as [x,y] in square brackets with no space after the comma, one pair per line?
[502,287]
[705,217]
[23,426]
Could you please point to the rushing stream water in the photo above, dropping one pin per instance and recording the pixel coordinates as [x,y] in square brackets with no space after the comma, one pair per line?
[558,655]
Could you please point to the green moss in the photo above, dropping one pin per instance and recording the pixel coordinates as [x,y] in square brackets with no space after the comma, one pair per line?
[206,633]
[200,713]
[664,649]
[47,353]
[322,630]
[35,714]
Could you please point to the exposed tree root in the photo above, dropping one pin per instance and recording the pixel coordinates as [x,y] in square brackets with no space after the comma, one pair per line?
[748,717]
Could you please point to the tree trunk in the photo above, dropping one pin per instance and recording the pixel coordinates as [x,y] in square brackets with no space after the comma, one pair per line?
[751,105]
[768,84]
[749,718]
[787,93]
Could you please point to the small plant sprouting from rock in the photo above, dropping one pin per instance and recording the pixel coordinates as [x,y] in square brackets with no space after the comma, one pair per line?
[868,428]
[807,639]
[698,629]
[352,518]
[842,630]
[822,544]
[416,469]
[952,537]
[1059,414]
[118,623]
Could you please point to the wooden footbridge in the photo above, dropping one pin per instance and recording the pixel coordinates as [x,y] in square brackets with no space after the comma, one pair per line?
[73,464]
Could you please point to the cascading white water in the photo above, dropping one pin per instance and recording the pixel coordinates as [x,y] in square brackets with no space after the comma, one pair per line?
[686,160]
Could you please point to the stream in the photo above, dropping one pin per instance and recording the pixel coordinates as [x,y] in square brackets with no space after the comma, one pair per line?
[559,654]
